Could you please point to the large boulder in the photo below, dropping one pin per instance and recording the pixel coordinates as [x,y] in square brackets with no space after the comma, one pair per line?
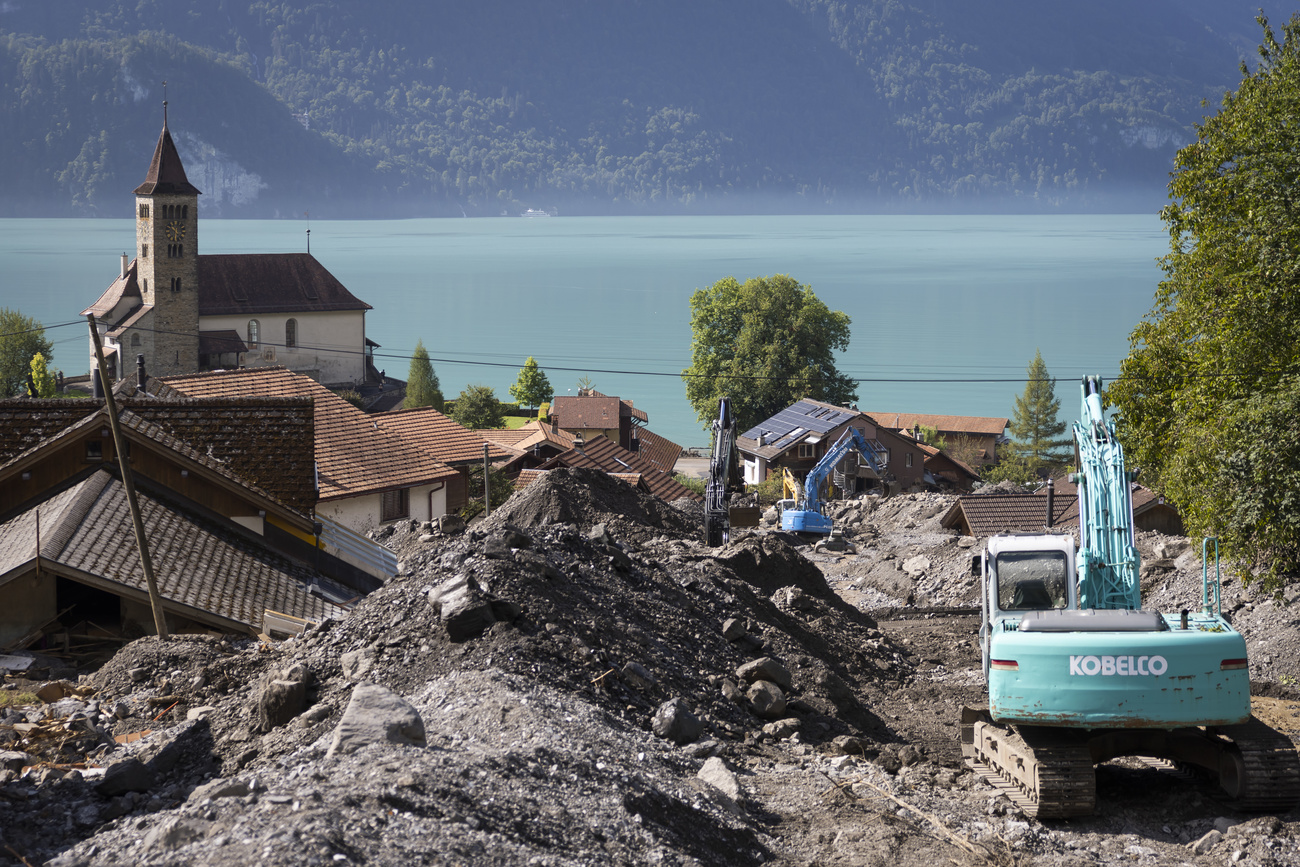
[377,715]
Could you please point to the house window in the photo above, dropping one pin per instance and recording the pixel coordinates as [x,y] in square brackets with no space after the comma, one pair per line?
[889,456]
[144,211]
[135,341]
[395,504]
[94,450]
[291,333]
[807,450]
[909,459]
[252,333]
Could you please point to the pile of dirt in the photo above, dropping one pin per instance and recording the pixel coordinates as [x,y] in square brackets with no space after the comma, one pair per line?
[579,680]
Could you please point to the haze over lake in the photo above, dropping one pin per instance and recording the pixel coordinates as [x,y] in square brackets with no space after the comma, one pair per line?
[940,305]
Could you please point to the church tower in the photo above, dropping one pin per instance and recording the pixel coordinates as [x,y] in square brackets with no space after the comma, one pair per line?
[167,248]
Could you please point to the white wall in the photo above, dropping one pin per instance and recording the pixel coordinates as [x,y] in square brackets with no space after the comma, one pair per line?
[331,346]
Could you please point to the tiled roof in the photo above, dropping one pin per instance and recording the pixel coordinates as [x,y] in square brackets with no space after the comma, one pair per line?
[661,452]
[936,455]
[625,408]
[200,565]
[247,284]
[602,454]
[989,514]
[264,446]
[944,424]
[123,288]
[438,436]
[166,174]
[544,433]
[527,477]
[586,413]
[355,456]
[506,438]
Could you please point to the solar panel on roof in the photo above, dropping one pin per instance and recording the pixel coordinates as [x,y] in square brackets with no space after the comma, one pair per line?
[804,415]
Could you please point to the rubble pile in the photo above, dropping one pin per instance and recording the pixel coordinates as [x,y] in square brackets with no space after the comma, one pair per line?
[578,680]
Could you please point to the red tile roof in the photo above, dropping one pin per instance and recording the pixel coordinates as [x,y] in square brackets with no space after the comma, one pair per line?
[438,436]
[989,514]
[247,284]
[602,454]
[944,424]
[586,413]
[354,454]
[659,451]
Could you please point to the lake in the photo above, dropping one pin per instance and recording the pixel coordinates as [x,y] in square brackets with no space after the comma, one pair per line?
[946,311]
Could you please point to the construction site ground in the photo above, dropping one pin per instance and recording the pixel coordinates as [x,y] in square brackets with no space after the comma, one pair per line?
[550,734]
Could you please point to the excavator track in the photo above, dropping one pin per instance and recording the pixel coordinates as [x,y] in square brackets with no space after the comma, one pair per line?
[1260,771]
[1048,773]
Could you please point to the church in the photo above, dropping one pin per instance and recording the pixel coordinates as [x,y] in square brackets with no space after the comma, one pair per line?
[187,313]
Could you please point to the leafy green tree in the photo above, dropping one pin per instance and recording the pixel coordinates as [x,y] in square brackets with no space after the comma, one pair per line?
[532,388]
[766,343]
[501,487]
[422,388]
[21,340]
[1037,433]
[1014,467]
[1209,392]
[42,378]
[477,407]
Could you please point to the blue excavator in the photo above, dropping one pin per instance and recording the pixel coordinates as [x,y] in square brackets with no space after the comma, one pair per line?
[1079,672]
[808,514]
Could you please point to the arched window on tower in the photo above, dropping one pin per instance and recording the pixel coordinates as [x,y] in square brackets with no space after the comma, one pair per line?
[135,341]
[291,333]
[252,333]
[176,284]
[185,212]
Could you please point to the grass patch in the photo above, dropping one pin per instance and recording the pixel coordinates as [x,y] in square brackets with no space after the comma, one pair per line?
[514,422]
[13,698]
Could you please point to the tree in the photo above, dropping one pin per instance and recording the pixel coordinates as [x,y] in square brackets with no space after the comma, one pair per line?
[477,408]
[42,378]
[1036,430]
[422,388]
[1208,395]
[766,343]
[21,339]
[532,388]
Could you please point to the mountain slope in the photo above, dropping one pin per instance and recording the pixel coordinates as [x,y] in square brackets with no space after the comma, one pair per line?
[349,108]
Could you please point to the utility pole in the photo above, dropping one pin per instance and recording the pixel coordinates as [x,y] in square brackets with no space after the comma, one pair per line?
[487,484]
[128,482]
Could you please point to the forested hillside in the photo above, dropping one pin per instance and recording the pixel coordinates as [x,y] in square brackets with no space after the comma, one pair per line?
[352,109]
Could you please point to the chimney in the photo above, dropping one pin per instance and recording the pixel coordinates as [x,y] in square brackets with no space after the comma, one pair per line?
[140,377]
[762,438]
[577,441]
[124,261]
[1051,502]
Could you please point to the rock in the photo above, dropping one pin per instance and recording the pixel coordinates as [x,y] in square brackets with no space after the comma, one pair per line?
[14,760]
[200,712]
[500,544]
[636,675]
[279,702]
[451,524]
[676,722]
[357,664]
[765,668]
[716,773]
[966,542]
[138,675]
[916,566]
[792,599]
[734,629]
[767,699]
[730,691]
[783,728]
[219,789]
[374,715]
[465,611]
[1206,842]
[127,775]
[175,832]
[846,745]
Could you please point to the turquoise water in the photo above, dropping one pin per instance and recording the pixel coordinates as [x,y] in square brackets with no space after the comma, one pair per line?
[937,303]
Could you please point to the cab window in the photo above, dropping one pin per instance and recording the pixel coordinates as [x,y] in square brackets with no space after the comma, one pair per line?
[1032,580]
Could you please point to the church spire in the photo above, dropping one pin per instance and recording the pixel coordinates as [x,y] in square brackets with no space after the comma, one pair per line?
[166,173]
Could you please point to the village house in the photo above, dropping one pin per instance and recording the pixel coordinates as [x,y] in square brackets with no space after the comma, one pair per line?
[226,491]
[797,437]
[601,453]
[186,312]
[592,414]
[973,439]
